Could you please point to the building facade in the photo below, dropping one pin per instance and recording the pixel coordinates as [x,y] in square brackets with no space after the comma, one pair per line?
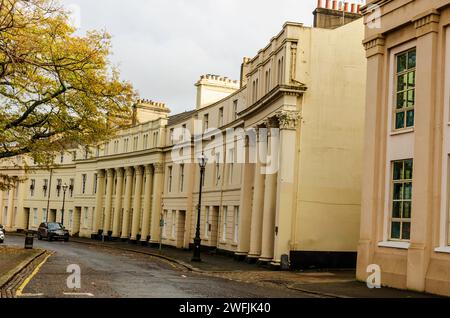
[284,145]
[405,212]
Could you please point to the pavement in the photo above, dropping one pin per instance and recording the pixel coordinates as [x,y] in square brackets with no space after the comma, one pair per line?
[215,276]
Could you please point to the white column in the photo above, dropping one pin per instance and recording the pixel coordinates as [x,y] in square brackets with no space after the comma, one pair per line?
[258,205]
[118,203]
[21,220]
[158,189]
[108,201]
[268,227]
[137,203]
[270,200]
[98,202]
[245,212]
[127,204]
[10,211]
[285,197]
[148,191]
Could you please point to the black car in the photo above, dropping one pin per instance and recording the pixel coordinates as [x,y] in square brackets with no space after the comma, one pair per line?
[52,231]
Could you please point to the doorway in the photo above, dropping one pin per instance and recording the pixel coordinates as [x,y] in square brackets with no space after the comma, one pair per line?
[76,222]
[52,215]
[26,221]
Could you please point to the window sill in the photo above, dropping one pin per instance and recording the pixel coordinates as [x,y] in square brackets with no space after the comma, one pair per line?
[402,131]
[392,244]
[444,249]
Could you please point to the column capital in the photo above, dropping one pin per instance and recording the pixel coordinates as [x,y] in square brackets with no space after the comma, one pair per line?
[427,22]
[101,173]
[288,120]
[129,171]
[374,45]
[110,172]
[119,172]
[159,167]
[148,169]
[138,170]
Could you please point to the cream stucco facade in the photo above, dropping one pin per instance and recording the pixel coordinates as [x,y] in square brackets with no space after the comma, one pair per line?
[307,85]
[405,212]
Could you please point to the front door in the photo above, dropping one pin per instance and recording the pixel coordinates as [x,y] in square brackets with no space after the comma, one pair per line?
[52,215]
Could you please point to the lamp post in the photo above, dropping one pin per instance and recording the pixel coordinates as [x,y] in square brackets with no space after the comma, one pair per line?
[197,240]
[64,188]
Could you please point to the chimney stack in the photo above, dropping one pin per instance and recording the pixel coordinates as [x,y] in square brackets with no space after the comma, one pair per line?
[332,15]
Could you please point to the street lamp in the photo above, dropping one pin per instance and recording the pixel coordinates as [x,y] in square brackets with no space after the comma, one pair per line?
[64,187]
[197,240]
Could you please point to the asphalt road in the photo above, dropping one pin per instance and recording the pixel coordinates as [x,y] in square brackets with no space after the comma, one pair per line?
[108,273]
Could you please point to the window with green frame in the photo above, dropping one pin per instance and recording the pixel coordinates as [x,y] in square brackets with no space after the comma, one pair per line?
[402,177]
[405,91]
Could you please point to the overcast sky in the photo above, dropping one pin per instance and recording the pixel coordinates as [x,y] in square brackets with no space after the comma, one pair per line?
[163,46]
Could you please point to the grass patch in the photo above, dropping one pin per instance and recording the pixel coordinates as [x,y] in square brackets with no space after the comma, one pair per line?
[12,260]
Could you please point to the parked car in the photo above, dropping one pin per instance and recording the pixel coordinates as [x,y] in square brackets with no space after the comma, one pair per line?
[52,231]
[2,234]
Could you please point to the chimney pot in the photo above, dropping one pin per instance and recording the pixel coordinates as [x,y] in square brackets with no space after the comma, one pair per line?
[319,3]
[353,8]
[328,5]
[334,4]
[346,6]
[358,8]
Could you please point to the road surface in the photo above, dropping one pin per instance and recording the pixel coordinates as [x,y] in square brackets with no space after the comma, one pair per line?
[109,273]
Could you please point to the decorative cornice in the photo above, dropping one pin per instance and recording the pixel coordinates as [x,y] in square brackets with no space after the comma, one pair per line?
[369,6]
[275,93]
[427,22]
[288,120]
[374,45]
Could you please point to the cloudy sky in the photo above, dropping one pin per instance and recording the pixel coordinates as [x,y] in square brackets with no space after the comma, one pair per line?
[163,46]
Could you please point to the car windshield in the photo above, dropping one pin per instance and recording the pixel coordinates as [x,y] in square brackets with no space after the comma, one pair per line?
[54,226]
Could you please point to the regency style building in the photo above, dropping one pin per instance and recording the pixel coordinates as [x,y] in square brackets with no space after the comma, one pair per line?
[297,196]
[405,207]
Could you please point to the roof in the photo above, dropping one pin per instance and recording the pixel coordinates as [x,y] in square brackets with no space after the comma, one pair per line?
[175,119]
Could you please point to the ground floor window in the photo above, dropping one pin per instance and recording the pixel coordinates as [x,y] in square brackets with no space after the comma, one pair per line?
[86,216]
[164,230]
[207,221]
[174,223]
[35,216]
[70,218]
[236,224]
[224,223]
[401,207]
